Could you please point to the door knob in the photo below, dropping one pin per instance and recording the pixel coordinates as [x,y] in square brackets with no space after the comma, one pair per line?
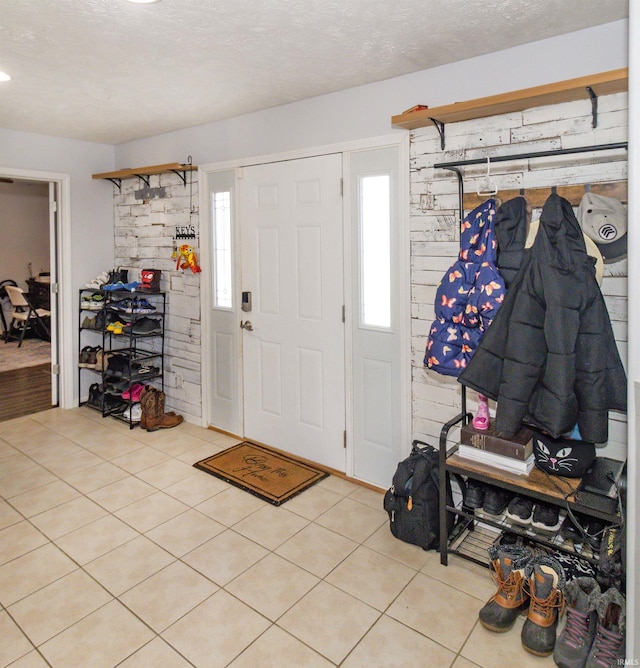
[246,325]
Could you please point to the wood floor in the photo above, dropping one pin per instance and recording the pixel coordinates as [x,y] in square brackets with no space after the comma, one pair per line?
[25,391]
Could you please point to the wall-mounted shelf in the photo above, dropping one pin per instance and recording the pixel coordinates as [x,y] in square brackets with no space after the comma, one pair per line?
[589,87]
[144,172]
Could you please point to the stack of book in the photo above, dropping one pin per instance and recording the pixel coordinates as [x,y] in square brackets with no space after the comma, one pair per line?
[514,454]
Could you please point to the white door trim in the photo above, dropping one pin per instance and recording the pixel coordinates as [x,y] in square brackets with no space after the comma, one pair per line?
[65,317]
[397,139]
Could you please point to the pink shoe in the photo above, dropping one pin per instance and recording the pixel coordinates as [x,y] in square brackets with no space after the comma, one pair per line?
[481,420]
[134,392]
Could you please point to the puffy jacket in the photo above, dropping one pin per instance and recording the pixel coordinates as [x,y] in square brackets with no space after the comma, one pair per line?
[468,296]
[550,357]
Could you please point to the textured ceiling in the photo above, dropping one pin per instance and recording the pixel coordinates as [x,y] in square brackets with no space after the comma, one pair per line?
[110,71]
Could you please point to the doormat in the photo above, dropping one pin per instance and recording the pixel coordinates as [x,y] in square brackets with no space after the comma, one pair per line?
[272,476]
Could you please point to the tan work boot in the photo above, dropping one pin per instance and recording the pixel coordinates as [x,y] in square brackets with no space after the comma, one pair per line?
[508,564]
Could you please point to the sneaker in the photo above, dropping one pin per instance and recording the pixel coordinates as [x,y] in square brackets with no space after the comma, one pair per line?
[581,528]
[520,510]
[143,306]
[133,413]
[89,322]
[546,517]
[575,640]
[495,500]
[147,326]
[474,493]
[608,644]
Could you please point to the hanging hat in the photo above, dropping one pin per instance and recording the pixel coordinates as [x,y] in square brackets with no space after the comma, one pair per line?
[604,219]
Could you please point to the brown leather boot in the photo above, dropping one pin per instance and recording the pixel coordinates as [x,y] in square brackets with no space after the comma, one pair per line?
[166,420]
[508,564]
[149,407]
[544,581]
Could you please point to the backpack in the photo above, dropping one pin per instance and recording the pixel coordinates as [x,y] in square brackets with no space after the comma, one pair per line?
[413,501]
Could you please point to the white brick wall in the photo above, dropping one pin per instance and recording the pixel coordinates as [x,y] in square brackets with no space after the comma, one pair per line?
[144,238]
[435,230]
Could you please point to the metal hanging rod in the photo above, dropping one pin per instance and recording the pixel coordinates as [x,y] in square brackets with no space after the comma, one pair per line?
[526,156]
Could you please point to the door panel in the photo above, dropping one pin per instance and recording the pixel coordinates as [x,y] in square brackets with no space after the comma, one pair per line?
[292,262]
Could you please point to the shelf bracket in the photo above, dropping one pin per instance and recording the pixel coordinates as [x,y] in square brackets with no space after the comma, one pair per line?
[440,128]
[182,175]
[116,182]
[594,107]
[144,179]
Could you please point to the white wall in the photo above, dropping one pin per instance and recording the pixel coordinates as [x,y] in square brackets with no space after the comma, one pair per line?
[366,111]
[24,230]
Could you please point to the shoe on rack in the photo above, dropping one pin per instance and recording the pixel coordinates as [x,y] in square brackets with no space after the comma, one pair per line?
[495,500]
[142,305]
[545,580]
[98,281]
[133,413]
[481,421]
[508,563]
[474,493]
[608,645]
[520,510]
[134,392]
[89,322]
[147,326]
[574,642]
[582,528]
[83,359]
[546,517]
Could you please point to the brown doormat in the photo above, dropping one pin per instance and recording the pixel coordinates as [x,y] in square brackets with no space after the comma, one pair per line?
[272,476]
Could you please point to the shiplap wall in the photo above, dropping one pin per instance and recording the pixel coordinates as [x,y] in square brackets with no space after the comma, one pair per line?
[435,223]
[144,238]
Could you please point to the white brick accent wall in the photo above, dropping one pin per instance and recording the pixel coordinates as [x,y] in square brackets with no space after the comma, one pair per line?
[435,225]
[144,238]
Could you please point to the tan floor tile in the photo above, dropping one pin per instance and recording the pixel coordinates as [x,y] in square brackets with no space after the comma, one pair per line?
[338,485]
[14,643]
[388,640]
[28,573]
[353,519]
[113,446]
[77,460]
[316,549]
[173,442]
[151,511]
[166,473]
[140,459]
[277,648]
[68,517]
[329,621]
[420,606]
[88,480]
[18,539]
[168,595]
[385,542]
[197,488]
[368,496]
[15,463]
[92,541]
[198,454]
[128,565]
[496,650]
[461,662]
[43,498]
[313,502]
[270,526]
[156,654]
[36,476]
[371,577]
[230,506]
[59,605]
[185,532]
[464,575]
[8,515]
[272,586]
[30,660]
[121,493]
[216,631]
[101,640]
[224,557]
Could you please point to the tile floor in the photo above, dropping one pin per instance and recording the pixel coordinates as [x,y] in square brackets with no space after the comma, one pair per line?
[115,551]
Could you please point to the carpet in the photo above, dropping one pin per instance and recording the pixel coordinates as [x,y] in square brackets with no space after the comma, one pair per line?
[32,352]
[272,476]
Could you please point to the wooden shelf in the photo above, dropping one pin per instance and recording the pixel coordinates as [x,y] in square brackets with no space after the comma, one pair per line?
[605,83]
[145,171]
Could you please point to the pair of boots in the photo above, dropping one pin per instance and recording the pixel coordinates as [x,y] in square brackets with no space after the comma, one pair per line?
[594,633]
[153,416]
[525,582]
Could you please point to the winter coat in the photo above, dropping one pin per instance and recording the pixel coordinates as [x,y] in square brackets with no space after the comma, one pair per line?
[550,358]
[511,235]
[468,297]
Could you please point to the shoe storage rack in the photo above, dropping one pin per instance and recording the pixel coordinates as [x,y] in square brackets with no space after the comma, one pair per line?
[120,349]
[473,531]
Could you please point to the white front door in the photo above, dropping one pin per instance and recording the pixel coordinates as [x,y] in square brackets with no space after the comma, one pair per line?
[290,215]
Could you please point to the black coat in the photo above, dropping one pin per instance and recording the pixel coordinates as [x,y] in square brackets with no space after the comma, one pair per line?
[550,357]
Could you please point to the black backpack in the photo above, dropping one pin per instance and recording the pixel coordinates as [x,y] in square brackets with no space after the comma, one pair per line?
[413,501]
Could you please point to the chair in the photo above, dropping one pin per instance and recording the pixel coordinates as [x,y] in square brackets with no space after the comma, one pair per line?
[24,316]
[3,305]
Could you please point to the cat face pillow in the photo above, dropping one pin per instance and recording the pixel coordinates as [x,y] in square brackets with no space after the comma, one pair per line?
[562,456]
